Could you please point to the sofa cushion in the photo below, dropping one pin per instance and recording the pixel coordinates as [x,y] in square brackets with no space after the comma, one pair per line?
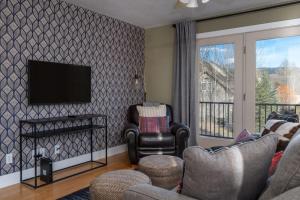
[292,194]
[287,174]
[149,192]
[156,140]
[236,173]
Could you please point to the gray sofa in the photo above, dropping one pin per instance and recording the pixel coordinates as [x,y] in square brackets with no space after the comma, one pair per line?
[283,185]
[149,192]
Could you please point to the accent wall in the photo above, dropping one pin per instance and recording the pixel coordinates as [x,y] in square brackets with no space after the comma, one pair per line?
[53,30]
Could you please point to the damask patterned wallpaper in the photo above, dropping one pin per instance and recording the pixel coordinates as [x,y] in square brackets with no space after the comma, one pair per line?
[52,30]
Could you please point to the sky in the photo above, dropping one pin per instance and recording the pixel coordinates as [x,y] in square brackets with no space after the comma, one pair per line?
[219,54]
[272,52]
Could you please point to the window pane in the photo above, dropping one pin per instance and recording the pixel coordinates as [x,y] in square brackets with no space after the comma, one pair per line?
[216,81]
[277,72]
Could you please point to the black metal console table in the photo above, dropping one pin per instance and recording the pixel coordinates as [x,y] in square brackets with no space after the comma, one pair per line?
[36,129]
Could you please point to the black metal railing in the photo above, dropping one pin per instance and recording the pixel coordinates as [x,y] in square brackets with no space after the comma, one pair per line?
[263,110]
[216,118]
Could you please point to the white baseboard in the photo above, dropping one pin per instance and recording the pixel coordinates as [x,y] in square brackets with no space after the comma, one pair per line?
[14,178]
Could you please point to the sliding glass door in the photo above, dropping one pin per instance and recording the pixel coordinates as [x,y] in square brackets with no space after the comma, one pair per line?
[245,77]
[273,72]
[220,92]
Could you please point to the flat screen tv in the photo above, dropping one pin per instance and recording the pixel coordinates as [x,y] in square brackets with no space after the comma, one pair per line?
[56,83]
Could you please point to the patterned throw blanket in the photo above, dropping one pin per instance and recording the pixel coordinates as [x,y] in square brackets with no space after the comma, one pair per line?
[284,129]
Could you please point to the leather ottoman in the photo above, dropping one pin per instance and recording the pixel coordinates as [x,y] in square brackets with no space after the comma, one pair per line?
[112,185]
[164,171]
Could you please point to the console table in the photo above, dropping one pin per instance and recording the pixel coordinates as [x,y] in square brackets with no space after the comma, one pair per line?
[36,129]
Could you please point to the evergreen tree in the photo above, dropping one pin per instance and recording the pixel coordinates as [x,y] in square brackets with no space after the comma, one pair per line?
[265,93]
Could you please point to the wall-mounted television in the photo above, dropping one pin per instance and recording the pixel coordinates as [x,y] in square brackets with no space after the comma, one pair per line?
[57,83]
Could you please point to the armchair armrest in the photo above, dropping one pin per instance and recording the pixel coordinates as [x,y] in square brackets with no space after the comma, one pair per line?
[182,134]
[176,127]
[131,134]
[131,129]
[149,192]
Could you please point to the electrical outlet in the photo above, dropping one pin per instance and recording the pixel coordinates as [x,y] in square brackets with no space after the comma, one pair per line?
[57,149]
[43,152]
[9,158]
[39,152]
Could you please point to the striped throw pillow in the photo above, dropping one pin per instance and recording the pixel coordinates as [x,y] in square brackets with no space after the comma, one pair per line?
[153,119]
[153,124]
[285,130]
[152,111]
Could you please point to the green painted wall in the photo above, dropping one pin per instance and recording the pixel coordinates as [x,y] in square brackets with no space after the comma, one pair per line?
[159,47]
[260,17]
[159,52]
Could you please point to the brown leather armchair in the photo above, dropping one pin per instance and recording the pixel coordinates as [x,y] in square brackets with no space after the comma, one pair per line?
[172,142]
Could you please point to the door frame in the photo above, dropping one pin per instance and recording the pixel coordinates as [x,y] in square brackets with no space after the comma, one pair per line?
[249,29]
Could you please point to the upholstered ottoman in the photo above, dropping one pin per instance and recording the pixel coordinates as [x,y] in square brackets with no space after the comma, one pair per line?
[112,185]
[164,171]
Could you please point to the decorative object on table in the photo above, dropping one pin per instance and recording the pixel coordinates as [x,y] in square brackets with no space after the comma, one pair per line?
[171,142]
[239,172]
[46,170]
[164,171]
[112,185]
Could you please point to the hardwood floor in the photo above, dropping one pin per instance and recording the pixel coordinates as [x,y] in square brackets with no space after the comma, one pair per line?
[65,187]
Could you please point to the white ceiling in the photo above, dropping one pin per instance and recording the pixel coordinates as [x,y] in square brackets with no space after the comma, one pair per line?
[151,13]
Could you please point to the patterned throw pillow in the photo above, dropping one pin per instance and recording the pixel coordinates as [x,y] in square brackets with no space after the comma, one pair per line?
[236,173]
[275,161]
[153,119]
[150,104]
[152,111]
[244,136]
[284,129]
[153,124]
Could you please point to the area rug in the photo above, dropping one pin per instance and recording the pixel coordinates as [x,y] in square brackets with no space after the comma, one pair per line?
[83,194]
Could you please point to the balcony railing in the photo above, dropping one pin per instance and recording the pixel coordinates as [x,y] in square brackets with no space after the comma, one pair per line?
[216,118]
[264,110]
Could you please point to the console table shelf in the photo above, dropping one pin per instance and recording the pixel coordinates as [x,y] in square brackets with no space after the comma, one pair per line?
[61,131]
[56,126]
[62,119]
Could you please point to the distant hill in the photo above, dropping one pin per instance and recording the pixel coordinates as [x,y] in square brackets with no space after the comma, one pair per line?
[275,70]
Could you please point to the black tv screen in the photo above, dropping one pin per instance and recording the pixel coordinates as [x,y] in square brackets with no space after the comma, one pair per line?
[55,83]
